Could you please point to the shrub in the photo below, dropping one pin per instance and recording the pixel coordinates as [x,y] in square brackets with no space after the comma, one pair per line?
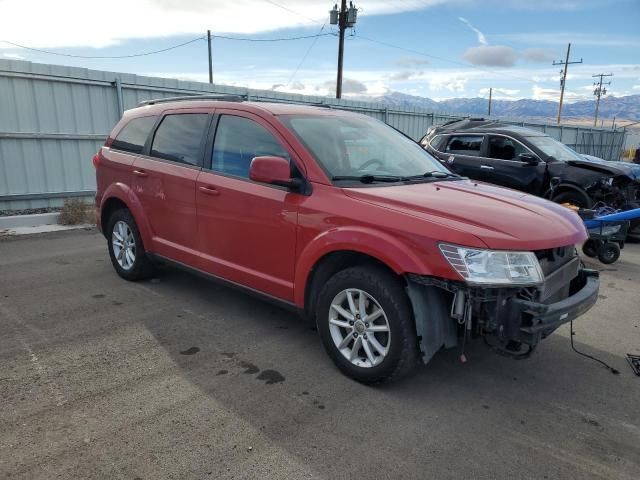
[75,212]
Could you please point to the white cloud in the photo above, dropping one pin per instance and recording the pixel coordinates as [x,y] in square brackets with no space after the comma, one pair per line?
[482,40]
[89,23]
[635,87]
[540,93]
[405,75]
[451,84]
[13,56]
[491,55]
[576,38]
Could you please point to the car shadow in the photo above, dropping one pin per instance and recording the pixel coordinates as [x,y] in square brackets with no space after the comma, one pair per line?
[268,366]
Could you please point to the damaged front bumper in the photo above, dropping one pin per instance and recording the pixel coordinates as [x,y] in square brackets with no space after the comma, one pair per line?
[447,311]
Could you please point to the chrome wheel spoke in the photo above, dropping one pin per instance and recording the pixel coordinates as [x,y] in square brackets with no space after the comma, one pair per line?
[124,245]
[352,304]
[367,350]
[356,348]
[351,325]
[342,312]
[340,323]
[378,328]
[345,341]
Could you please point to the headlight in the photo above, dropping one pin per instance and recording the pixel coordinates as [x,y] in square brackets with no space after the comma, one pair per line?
[478,266]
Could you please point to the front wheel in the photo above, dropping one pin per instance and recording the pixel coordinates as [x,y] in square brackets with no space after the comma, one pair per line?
[366,325]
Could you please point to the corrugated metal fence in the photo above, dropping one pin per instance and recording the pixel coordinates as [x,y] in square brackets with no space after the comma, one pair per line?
[54,118]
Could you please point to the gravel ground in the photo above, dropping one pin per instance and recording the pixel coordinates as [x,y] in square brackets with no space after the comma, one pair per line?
[179,378]
[28,211]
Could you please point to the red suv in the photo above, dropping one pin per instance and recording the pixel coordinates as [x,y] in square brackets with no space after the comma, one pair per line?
[344,219]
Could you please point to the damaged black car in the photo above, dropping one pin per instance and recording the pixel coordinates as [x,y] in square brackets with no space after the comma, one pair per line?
[530,161]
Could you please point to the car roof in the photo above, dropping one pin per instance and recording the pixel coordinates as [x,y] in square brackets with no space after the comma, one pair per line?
[271,108]
[480,125]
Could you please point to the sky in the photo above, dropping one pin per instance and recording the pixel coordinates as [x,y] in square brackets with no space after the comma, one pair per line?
[432,48]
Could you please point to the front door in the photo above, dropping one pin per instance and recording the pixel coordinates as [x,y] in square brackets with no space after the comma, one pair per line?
[165,182]
[504,166]
[247,230]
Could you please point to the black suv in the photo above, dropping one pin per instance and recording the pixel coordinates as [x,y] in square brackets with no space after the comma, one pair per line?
[530,161]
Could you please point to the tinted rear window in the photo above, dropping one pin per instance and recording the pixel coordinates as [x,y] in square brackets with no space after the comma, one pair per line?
[134,135]
[465,144]
[180,138]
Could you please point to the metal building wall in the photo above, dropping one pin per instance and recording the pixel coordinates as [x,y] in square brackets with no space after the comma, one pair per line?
[54,118]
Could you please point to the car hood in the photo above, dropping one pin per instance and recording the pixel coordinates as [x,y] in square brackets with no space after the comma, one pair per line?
[615,168]
[501,218]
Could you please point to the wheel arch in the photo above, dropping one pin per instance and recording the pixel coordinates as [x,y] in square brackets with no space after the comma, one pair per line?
[117,196]
[567,187]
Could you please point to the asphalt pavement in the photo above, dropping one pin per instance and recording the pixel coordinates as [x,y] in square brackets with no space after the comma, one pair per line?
[180,378]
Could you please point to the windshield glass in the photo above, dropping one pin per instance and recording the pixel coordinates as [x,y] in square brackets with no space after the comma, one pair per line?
[554,148]
[357,146]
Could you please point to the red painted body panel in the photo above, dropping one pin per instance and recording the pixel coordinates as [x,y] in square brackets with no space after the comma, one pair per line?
[269,238]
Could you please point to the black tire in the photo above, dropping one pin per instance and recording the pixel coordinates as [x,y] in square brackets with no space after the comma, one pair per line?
[574,197]
[590,248]
[142,267]
[609,253]
[402,356]
[634,225]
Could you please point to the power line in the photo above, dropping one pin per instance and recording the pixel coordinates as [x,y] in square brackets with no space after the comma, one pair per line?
[282,39]
[49,52]
[292,11]
[304,57]
[173,47]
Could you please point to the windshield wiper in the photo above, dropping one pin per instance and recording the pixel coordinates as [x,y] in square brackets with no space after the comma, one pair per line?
[434,174]
[369,178]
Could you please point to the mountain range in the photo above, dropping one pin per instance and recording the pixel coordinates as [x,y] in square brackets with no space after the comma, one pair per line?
[627,107]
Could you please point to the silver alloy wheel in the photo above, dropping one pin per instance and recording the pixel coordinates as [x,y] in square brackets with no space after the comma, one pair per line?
[359,328]
[124,245]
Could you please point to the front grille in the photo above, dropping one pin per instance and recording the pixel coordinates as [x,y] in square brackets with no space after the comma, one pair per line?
[553,258]
[560,267]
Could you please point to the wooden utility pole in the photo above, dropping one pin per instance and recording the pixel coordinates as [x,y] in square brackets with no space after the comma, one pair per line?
[490,92]
[210,58]
[563,80]
[344,18]
[599,91]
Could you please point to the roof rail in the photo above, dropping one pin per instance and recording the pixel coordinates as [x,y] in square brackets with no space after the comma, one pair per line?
[195,98]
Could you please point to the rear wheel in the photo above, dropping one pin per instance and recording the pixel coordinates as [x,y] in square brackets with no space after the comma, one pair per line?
[366,324]
[573,197]
[126,249]
[609,253]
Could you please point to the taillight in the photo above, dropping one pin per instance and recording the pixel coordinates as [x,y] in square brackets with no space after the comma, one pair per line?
[96,160]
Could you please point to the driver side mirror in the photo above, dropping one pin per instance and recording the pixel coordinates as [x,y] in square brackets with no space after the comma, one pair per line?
[529,159]
[273,170]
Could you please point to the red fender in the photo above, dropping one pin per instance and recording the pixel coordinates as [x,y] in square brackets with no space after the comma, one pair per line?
[126,194]
[379,245]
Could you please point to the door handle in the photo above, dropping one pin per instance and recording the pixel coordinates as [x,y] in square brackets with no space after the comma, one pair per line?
[486,167]
[209,190]
[140,173]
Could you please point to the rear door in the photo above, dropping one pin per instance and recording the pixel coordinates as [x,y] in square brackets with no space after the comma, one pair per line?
[463,153]
[247,230]
[503,166]
[164,179]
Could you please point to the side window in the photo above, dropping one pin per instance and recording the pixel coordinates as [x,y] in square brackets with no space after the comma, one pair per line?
[438,141]
[134,135]
[180,137]
[465,145]
[238,140]
[504,148]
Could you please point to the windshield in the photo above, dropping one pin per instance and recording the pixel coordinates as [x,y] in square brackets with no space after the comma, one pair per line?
[554,148]
[361,146]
